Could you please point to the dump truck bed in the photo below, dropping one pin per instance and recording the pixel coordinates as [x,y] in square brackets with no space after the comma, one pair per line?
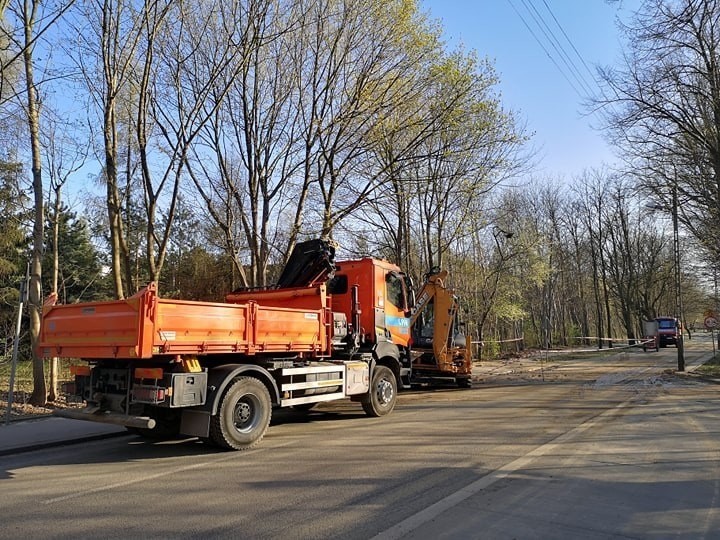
[145,325]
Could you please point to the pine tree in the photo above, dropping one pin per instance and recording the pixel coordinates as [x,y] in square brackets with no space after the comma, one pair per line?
[82,276]
[13,245]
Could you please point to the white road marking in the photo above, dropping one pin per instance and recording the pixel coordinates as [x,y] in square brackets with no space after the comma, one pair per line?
[413,522]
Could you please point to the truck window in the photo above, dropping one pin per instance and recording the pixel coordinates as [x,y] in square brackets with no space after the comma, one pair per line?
[395,291]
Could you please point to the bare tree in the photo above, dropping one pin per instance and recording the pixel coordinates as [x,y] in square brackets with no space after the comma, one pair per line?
[663,106]
[299,135]
[474,145]
[253,136]
[397,144]
[578,242]
[187,62]
[620,262]
[592,196]
[109,33]
[14,48]
[359,71]
[27,12]
[63,158]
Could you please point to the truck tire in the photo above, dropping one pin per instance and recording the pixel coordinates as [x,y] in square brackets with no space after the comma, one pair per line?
[243,416]
[463,382]
[380,399]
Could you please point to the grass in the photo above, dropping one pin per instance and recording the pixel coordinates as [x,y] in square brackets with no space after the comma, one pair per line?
[24,375]
[711,368]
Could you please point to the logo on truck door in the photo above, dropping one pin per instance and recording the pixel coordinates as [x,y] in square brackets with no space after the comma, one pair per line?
[397,325]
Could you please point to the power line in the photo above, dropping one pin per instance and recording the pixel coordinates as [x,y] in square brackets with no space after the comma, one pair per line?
[542,46]
[587,68]
[598,89]
[561,59]
[559,48]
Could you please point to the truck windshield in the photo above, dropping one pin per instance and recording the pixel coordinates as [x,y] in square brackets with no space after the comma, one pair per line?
[666,324]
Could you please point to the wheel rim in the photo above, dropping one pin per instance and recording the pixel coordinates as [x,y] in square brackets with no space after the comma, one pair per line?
[245,414]
[385,391]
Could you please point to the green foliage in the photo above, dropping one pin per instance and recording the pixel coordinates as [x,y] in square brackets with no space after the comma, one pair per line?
[81,275]
[509,310]
[14,245]
[13,237]
[490,349]
[191,270]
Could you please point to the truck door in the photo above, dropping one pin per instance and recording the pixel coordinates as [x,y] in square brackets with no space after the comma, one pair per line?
[397,308]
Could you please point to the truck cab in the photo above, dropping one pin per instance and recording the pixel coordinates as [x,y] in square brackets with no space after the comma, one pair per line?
[669,331]
[377,296]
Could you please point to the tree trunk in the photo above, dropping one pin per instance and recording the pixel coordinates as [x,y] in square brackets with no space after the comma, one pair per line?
[53,383]
[112,195]
[39,394]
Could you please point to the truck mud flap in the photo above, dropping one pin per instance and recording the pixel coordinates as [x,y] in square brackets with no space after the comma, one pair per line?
[195,423]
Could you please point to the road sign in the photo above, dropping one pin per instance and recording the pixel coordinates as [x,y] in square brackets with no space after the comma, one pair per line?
[710,323]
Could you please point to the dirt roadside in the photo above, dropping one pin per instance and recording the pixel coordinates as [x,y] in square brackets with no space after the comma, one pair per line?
[22,410]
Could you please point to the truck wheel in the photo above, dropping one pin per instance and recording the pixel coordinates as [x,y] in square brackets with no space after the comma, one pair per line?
[244,415]
[380,400]
[463,382]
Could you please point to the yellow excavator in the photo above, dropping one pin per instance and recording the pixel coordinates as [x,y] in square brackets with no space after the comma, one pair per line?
[440,348]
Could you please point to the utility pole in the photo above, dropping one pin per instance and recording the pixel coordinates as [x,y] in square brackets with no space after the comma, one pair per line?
[16,342]
[678,293]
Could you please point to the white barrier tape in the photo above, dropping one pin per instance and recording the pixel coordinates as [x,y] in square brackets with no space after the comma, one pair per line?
[493,341]
[616,340]
[640,341]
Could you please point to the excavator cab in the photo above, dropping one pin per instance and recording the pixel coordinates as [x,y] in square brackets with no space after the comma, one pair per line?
[438,339]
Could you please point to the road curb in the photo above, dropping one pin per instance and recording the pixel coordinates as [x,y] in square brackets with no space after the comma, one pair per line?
[26,418]
[66,442]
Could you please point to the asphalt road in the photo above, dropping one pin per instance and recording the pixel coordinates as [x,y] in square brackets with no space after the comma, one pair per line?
[585,448]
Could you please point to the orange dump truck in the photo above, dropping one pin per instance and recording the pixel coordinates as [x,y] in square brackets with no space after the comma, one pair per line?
[163,367]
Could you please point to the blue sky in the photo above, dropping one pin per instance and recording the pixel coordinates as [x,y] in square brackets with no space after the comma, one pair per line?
[530,83]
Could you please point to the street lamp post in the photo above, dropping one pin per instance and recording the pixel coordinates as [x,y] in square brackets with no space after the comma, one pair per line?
[679,342]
